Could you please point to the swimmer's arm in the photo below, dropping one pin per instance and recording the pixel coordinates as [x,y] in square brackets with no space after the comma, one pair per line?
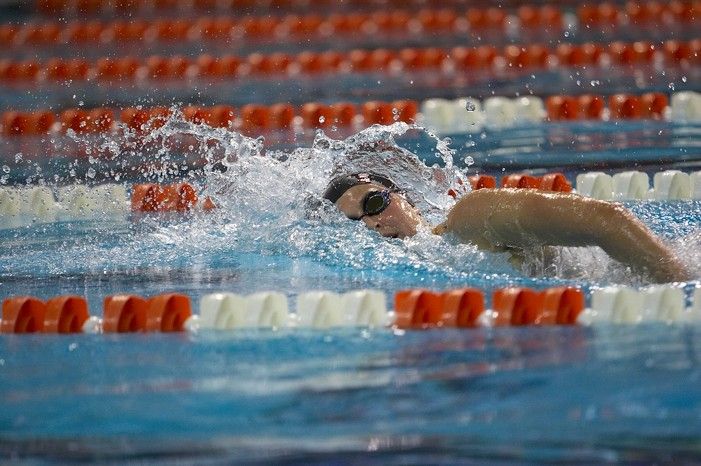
[525,218]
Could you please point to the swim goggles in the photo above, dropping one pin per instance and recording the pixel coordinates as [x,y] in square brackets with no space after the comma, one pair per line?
[374,203]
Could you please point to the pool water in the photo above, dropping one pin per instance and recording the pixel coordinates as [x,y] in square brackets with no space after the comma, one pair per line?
[519,395]
[375,396]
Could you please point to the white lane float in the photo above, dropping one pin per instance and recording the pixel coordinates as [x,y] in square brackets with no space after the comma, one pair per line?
[223,311]
[499,113]
[529,109]
[10,208]
[37,204]
[439,116]
[618,305]
[320,309]
[83,202]
[630,185]
[267,309]
[366,308]
[597,185]
[686,107]
[469,117]
[695,181]
[663,303]
[672,185]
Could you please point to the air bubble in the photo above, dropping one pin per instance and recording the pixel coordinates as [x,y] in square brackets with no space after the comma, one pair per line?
[91,173]
[683,79]
[6,169]
[18,156]
[470,106]
[322,119]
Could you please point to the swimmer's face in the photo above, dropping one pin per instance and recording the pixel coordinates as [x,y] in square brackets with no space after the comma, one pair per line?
[398,220]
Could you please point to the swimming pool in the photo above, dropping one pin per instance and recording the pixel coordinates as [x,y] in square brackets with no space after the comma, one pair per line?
[533,394]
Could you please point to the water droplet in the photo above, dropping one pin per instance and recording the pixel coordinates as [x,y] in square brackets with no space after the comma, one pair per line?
[671,86]
[18,156]
[683,79]
[470,106]
[91,173]
[6,169]
[322,119]
[468,160]
[594,83]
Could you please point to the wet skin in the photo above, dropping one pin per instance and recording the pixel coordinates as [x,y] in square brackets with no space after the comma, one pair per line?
[518,219]
[399,220]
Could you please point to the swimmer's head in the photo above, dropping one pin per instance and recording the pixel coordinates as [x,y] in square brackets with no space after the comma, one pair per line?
[377,201]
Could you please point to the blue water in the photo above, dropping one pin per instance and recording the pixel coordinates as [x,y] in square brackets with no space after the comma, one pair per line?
[536,395]
[541,395]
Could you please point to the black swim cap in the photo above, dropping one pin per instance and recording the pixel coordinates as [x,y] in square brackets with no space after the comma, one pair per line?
[343,183]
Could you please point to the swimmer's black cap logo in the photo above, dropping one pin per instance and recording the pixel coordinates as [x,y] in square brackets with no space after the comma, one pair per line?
[343,183]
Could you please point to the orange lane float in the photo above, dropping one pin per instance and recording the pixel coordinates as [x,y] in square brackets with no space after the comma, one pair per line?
[524,306]
[463,307]
[555,182]
[421,309]
[66,314]
[562,108]
[23,314]
[108,70]
[124,314]
[520,181]
[167,313]
[548,182]
[153,197]
[482,182]
[418,308]
[565,303]
[520,306]
[130,313]
[254,118]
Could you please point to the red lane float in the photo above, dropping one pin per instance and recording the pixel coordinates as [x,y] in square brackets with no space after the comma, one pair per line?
[463,307]
[152,197]
[520,181]
[520,306]
[124,314]
[108,70]
[162,313]
[419,309]
[23,314]
[66,314]
[254,118]
[524,306]
[167,313]
[565,303]
[482,182]
[555,182]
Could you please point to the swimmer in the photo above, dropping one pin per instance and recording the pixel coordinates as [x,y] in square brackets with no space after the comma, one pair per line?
[513,220]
